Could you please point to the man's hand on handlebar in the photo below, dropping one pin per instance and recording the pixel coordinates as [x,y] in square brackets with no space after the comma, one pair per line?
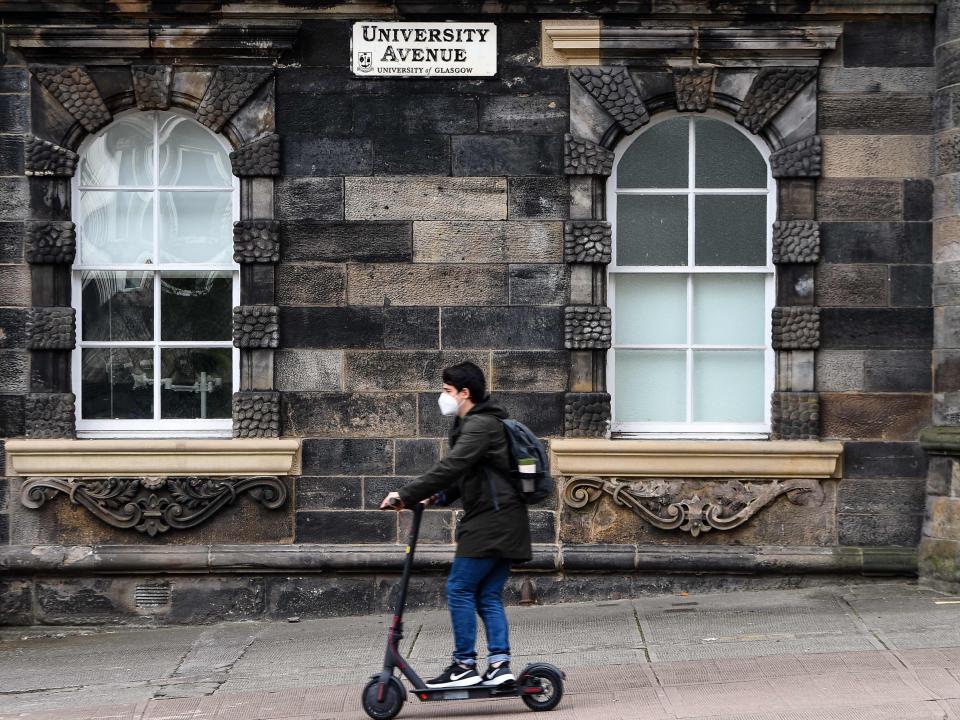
[392,502]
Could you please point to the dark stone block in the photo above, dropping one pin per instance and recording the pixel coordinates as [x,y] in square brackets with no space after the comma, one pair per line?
[79,600]
[411,155]
[258,283]
[14,113]
[525,114]
[328,493]
[375,489]
[887,43]
[796,199]
[202,600]
[488,155]
[15,192]
[392,370]
[947,58]
[897,371]
[3,487]
[879,530]
[363,241]
[541,412]
[346,526]
[324,43]
[543,198]
[884,459]
[911,285]
[49,198]
[4,529]
[13,328]
[859,199]
[13,80]
[543,526]
[327,115]
[319,596]
[947,371]
[875,328]
[359,327]
[312,154]
[436,527]
[882,497]
[11,154]
[599,558]
[16,602]
[11,242]
[895,113]
[520,328]
[917,199]
[401,115]
[11,415]
[795,284]
[529,370]
[347,456]
[415,457]
[319,198]
[880,242]
[349,414]
[538,284]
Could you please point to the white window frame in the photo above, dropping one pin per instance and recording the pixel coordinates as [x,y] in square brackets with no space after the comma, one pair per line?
[157,427]
[690,430]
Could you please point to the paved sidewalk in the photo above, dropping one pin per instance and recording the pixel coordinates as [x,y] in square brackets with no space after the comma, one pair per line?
[868,652]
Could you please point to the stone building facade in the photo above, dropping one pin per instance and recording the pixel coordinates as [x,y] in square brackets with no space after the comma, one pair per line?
[298,250]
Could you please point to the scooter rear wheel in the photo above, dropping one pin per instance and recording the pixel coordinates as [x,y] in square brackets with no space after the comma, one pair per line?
[390,705]
[551,684]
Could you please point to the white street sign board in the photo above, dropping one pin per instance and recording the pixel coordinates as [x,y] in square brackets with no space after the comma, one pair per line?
[442,50]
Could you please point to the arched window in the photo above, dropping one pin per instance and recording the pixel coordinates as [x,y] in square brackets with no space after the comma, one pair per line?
[154,284]
[691,284]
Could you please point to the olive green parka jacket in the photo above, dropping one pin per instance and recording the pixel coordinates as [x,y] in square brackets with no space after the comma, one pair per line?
[495,522]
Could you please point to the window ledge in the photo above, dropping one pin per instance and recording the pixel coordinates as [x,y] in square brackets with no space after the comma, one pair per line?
[109,458]
[697,458]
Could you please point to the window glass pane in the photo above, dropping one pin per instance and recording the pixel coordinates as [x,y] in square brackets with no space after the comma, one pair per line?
[196,383]
[651,385]
[196,305]
[191,155]
[728,386]
[652,230]
[117,383]
[122,156]
[196,227]
[117,305]
[728,309]
[651,309]
[658,158]
[731,230]
[116,227]
[726,158]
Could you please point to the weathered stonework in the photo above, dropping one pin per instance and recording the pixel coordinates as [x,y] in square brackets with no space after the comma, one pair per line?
[587,241]
[613,88]
[769,93]
[802,159]
[796,415]
[230,88]
[586,327]
[44,158]
[796,328]
[49,415]
[582,157]
[256,326]
[50,241]
[73,88]
[151,86]
[693,87]
[260,158]
[796,241]
[51,328]
[256,414]
[586,415]
[256,241]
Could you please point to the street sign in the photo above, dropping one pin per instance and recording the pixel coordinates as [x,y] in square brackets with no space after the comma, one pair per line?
[441,50]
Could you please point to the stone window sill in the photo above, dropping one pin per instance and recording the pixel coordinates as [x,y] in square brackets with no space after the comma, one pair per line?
[116,458]
[697,458]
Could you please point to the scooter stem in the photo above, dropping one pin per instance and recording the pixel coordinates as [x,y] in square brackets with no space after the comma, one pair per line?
[408,561]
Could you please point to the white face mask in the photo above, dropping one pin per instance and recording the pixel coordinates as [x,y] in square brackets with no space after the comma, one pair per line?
[448,404]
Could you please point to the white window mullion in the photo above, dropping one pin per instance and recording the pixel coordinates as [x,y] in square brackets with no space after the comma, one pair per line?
[156,260]
[691,260]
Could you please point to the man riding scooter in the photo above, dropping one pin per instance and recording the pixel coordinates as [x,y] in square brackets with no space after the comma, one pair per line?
[493,533]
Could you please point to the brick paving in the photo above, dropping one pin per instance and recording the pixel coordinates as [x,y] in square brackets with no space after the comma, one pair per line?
[869,652]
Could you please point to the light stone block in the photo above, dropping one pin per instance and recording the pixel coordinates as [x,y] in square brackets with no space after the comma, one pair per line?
[427,285]
[946,239]
[839,370]
[425,198]
[487,242]
[15,285]
[308,370]
[907,156]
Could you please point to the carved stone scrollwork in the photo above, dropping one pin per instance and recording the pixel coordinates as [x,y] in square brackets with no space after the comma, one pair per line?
[693,87]
[256,241]
[50,241]
[261,158]
[151,86]
[45,158]
[802,159]
[614,89]
[672,505]
[155,505]
[230,88]
[796,241]
[256,326]
[769,93]
[587,241]
[582,157]
[73,88]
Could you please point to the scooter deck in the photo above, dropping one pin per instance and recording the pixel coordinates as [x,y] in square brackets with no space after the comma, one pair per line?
[471,692]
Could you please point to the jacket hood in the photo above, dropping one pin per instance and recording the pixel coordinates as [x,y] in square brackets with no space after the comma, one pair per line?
[489,407]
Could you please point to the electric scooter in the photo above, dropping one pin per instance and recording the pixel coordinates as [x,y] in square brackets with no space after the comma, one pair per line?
[540,685]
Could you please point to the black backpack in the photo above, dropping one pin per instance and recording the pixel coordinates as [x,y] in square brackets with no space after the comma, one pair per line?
[525,445]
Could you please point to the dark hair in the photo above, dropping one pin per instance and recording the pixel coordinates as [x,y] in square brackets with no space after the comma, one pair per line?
[469,376]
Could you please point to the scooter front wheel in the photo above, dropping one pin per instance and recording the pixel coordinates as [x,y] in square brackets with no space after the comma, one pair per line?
[389,704]
[550,684]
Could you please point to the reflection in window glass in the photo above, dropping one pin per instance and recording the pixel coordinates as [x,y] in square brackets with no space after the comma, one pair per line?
[658,158]
[196,305]
[117,306]
[652,230]
[731,230]
[115,227]
[122,156]
[196,227]
[196,383]
[117,383]
[191,156]
[726,158]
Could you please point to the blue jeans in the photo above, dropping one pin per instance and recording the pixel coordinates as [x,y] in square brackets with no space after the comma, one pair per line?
[474,587]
